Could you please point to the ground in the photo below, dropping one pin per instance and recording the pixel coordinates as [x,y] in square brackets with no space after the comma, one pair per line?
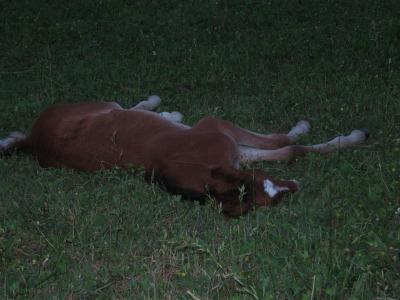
[263,65]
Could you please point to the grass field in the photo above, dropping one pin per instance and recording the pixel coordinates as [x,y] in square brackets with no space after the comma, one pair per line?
[263,65]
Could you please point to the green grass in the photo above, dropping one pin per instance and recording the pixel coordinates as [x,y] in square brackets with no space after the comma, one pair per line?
[263,65]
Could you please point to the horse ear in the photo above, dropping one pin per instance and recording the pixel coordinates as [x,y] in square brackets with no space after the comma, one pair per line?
[226,180]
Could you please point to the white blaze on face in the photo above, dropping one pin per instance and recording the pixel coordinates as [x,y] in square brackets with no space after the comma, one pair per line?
[271,189]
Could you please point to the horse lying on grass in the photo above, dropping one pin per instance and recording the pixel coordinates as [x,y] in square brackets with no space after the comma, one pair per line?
[196,162]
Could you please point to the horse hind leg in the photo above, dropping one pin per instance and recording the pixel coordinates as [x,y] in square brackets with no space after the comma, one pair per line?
[247,154]
[247,138]
[16,140]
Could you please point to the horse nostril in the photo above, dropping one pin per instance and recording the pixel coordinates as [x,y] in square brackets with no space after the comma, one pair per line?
[295,186]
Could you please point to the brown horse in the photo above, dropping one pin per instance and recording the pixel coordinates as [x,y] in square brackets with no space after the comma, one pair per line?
[195,162]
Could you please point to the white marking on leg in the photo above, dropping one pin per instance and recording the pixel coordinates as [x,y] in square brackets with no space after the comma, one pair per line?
[4,143]
[174,116]
[354,138]
[151,103]
[177,116]
[271,189]
[249,154]
[301,128]
[9,141]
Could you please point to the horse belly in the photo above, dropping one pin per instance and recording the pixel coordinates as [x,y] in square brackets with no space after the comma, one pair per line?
[191,147]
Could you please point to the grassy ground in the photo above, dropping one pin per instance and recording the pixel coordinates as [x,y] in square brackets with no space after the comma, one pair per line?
[261,64]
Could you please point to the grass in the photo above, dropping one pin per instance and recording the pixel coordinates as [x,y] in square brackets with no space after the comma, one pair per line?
[263,65]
